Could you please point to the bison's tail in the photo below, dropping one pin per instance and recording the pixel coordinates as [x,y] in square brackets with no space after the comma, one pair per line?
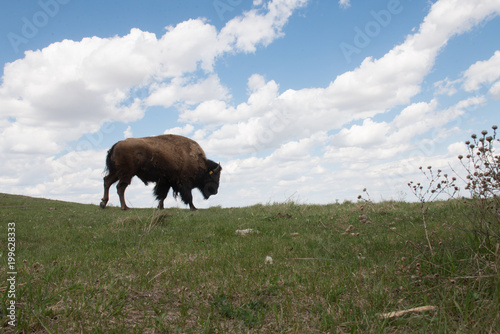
[110,164]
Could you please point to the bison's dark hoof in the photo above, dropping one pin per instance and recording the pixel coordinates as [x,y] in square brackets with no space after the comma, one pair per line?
[102,205]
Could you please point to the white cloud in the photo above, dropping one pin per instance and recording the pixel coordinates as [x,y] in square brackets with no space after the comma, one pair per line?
[79,85]
[495,90]
[367,135]
[128,132]
[183,131]
[372,142]
[414,113]
[345,3]
[446,87]
[263,95]
[180,90]
[376,86]
[482,72]
[246,32]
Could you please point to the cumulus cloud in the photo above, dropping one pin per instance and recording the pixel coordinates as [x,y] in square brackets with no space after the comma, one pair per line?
[183,131]
[82,84]
[345,3]
[262,96]
[375,87]
[495,90]
[446,87]
[128,132]
[378,141]
[368,134]
[246,32]
[482,72]
[180,90]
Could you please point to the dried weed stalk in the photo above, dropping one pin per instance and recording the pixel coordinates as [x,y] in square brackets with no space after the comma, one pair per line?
[482,181]
[438,184]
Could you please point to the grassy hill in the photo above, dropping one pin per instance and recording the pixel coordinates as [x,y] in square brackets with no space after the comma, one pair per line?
[301,269]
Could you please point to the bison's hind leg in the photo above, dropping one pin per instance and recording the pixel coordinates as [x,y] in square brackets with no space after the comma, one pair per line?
[122,185]
[161,192]
[108,181]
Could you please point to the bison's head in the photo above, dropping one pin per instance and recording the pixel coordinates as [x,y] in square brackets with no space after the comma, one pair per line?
[211,182]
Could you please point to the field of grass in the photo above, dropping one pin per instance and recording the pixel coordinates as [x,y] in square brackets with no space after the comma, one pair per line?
[304,269]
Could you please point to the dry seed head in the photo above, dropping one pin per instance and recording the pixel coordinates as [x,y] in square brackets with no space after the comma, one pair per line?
[484,132]
[474,136]
[494,127]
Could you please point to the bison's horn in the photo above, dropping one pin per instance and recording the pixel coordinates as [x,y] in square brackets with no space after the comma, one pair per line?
[217,169]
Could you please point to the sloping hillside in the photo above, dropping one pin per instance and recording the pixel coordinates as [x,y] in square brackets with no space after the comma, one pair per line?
[266,268]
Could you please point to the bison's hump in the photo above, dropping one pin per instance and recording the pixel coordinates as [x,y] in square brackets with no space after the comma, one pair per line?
[170,152]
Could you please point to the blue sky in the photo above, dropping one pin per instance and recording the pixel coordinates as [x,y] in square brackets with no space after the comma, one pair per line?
[298,99]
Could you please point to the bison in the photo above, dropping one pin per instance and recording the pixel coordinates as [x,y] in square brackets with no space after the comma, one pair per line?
[170,161]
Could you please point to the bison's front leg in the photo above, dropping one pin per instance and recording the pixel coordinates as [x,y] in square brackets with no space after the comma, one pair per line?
[187,197]
[121,193]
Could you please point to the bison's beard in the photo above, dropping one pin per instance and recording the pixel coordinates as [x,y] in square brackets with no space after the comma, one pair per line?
[210,189]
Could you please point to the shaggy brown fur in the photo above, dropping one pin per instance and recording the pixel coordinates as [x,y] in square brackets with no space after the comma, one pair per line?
[170,161]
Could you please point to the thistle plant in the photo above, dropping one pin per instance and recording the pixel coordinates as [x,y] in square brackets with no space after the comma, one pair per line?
[438,184]
[482,166]
[482,181]
[480,178]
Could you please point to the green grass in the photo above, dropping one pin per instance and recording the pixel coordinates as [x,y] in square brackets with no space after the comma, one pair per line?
[82,269]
